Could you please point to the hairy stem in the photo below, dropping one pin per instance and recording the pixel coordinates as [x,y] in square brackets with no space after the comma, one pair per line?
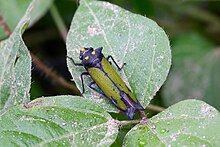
[5,26]
[129,122]
[155,108]
[59,79]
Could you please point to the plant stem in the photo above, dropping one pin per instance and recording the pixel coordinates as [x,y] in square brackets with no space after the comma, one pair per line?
[43,67]
[155,108]
[53,75]
[129,122]
[59,22]
[5,26]
[142,115]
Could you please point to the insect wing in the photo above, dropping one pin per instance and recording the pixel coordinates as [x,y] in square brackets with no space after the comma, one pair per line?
[113,75]
[106,85]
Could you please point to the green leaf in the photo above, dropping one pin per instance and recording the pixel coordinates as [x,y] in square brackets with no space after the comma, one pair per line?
[187,123]
[195,71]
[129,38]
[13,10]
[15,68]
[40,8]
[58,121]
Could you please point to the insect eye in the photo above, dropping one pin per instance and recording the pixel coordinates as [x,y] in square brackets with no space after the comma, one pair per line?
[86,58]
[82,50]
[93,52]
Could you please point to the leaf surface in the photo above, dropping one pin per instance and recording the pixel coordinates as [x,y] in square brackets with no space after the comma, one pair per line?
[129,38]
[187,123]
[57,121]
[15,68]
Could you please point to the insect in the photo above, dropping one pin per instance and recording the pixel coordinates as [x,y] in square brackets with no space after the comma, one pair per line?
[107,79]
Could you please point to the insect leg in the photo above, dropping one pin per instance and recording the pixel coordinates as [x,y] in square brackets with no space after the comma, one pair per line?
[95,89]
[83,74]
[119,68]
[76,64]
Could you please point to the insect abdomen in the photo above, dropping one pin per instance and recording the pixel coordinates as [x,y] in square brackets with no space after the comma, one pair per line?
[106,85]
[115,89]
[113,75]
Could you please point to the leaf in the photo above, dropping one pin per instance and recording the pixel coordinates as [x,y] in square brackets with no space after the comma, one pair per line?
[13,10]
[58,121]
[187,123]
[40,8]
[129,38]
[195,71]
[15,68]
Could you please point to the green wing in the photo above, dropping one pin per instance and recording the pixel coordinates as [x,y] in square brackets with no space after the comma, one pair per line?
[106,85]
[116,78]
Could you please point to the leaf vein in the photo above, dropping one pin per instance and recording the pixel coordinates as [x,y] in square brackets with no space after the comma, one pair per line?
[99,25]
[152,65]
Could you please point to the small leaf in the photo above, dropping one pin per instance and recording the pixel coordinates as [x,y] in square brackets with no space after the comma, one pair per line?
[187,123]
[15,68]
[129,38]
[13,10]
[58,121]
[195,71]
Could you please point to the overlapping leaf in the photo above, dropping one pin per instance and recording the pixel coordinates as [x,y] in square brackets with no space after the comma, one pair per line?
[15,68]
[12,11]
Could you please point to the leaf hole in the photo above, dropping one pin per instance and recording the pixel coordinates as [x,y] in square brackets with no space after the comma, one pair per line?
[16,60]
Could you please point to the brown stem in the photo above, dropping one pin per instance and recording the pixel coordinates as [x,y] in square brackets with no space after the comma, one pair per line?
[142,115]
[60,80]
[129,122]
[43,67]
[5,26]
[155,108]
